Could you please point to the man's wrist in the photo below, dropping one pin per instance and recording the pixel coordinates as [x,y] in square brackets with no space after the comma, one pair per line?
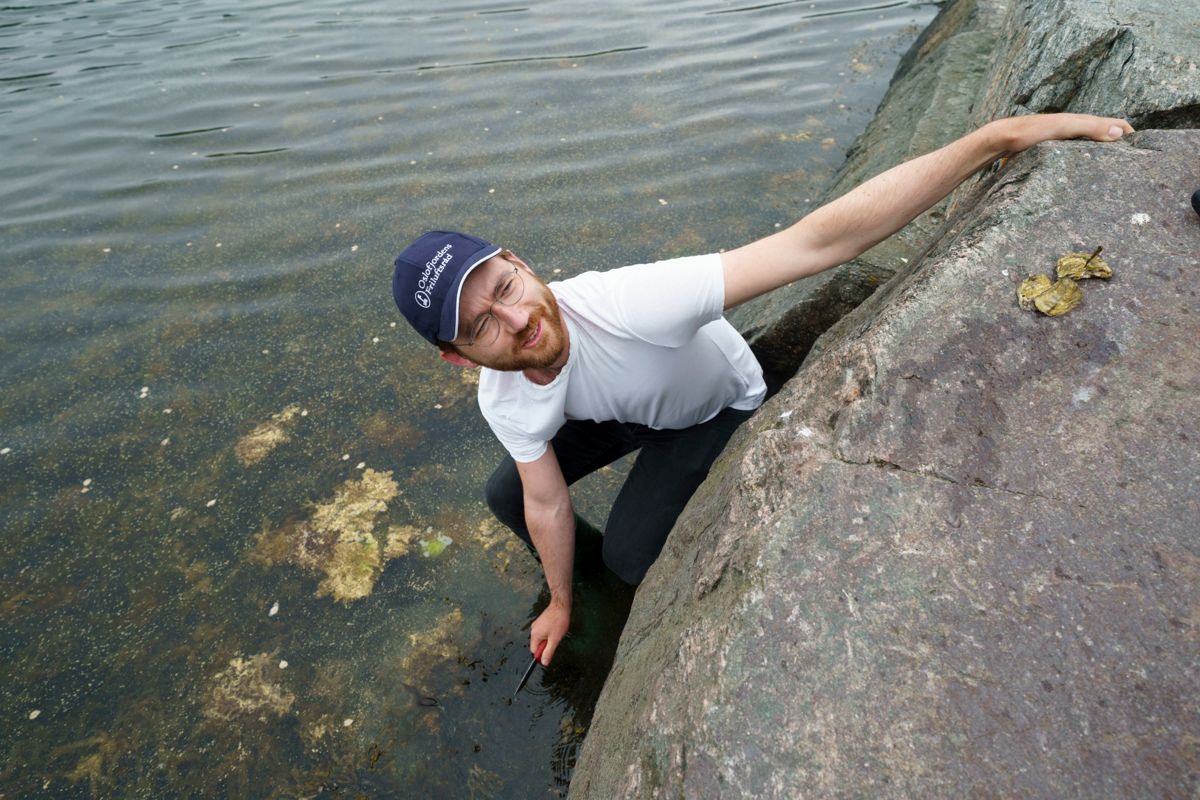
[561,600]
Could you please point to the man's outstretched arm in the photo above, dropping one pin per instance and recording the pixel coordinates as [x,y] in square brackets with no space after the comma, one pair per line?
[551,523]
[858,220]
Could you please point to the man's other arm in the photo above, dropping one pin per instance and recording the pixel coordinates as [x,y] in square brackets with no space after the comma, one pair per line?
[551,522]
[858,220]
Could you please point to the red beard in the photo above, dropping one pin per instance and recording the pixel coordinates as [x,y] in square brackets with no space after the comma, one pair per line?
[548,350]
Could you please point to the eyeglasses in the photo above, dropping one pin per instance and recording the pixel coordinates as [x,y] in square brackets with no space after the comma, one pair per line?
[486,328]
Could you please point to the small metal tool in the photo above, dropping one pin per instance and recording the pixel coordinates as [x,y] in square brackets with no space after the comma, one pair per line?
[537,656]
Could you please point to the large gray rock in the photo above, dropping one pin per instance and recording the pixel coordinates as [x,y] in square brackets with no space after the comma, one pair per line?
[1138,59]
[958,555]
[928,104]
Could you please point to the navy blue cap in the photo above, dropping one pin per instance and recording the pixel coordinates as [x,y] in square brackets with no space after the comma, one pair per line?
[429,276]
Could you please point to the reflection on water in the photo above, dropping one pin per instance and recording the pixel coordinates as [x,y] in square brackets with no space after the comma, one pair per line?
[245,551]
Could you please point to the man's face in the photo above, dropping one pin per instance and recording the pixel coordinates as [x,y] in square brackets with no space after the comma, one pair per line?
[531,334]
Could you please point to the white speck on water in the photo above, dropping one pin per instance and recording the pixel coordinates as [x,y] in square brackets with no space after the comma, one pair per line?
[274,609]
[37,712]
[360,465]
[1140,219]
[437,405]
[393,325]
[345,457]
[491,191]
[353,248]
[905,260]
[108,249]
[87,482]
[5,451]
[85,490]
[282,664]
[412,162]
[165,442]
[218,244]
[166,411]
[348,721]
[555,271]
[211,503]
[1004,272]
[145,390]
[662,202]
[304,413]
[375,339]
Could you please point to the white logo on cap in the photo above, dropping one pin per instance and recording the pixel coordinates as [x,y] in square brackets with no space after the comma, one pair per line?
[433,271]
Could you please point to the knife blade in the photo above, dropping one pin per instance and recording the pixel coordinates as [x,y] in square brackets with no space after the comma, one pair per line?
[537,656]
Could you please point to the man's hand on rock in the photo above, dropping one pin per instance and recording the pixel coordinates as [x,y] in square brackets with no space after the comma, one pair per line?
[550,627]
[1019,133]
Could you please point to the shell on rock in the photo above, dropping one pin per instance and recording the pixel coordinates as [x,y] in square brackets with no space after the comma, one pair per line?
[1078,266]
[1061,298]
[1030,288]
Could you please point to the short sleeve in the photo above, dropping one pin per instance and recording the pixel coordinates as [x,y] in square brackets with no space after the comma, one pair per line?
[664,302]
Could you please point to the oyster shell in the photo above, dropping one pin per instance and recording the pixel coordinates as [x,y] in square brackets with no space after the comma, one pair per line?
[1030,288]
[1061,298]
[1078,266]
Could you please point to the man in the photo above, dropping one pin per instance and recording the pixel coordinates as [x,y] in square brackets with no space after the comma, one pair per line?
[580,372]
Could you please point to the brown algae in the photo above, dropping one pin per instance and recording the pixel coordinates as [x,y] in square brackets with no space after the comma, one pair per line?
[244,689]
[258,443]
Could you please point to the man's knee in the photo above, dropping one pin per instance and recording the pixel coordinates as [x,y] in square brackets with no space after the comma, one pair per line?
[629,566]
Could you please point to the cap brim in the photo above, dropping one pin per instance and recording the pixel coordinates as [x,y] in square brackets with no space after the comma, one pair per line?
[449,329]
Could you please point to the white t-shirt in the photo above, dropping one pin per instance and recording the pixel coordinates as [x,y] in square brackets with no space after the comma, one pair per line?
[648,344]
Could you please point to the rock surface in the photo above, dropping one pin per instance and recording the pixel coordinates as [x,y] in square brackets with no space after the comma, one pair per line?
[981,60]
[928,104]
[958,554]
[1138,59]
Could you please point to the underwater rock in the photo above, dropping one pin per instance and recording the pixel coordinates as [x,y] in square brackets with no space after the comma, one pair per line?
[244,689]
[431,647]
[254,446]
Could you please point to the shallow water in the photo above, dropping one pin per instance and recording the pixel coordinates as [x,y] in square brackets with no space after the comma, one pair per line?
[214,422]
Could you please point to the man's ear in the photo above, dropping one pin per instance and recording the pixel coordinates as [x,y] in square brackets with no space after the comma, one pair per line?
[458,360]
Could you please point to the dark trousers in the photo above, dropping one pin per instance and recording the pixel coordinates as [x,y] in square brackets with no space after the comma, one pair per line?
[670,467]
